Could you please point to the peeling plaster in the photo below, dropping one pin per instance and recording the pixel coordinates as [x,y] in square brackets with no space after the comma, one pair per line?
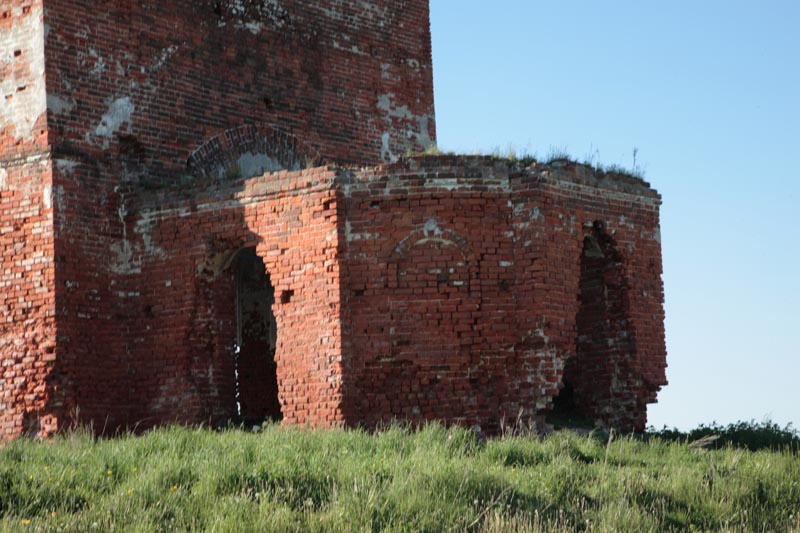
[119,113]
[269,11]
[58,105]
[432,227]
[128,256]
[417,126]
[449,184]
[368,11]
[251,165]
[66,166]
[352,237]
[352,49]
[150,249]
[3,177]
[386,151]
[23,92]
[159,62]
[123,260]
[254,27]
[623,222]
[99,65]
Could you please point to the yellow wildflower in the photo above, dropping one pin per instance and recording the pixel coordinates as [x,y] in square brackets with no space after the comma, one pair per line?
[173,488]
[109,472]
[25,522]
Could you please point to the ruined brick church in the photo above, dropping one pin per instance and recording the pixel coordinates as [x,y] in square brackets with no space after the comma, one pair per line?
[207,215]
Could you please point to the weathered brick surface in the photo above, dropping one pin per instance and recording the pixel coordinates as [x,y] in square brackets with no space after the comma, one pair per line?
[141,87]
[186,322]
[142,96]
[171,138]
[27,293]
[463,292]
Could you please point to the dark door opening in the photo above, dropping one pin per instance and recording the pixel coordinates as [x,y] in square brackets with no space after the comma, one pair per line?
[255,370]
[587,395]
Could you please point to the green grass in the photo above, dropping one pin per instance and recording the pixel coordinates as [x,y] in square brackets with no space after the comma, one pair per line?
[434,479]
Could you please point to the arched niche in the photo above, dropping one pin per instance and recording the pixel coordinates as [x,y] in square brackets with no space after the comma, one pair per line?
[250,150]
[595,386]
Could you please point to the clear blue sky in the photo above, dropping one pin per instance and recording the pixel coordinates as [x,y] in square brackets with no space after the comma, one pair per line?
[709,92]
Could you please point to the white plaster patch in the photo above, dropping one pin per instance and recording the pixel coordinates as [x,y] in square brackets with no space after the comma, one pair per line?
[368,11]
[123,260]
[251,165]
[352,49]
[449,184]
[99,64]
[623,222]
[58,105]
[161,60]
[254,27]
[270,11]
[351,237]
[432,228]
[23,93]
[150,249]
[416,125]
[118,114]
[3,177]
[386,151]
[66,166]
[47,197]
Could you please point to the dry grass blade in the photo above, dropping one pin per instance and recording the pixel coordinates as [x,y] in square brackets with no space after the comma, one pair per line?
[704,442]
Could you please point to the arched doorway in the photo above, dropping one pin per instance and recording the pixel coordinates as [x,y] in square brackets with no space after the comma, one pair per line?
[255,371]
[593,386]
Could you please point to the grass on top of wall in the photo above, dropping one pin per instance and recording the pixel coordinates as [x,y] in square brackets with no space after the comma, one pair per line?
[555,155]
[432,479]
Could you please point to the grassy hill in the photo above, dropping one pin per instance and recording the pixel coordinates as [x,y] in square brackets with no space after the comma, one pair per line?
[433,479]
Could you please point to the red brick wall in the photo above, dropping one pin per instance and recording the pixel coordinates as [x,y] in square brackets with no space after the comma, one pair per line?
[440,288]
[436,288]
[27,306]
[428,308]
[578,199]
[186,324]
[159,95]
[462,290]
[139,86]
